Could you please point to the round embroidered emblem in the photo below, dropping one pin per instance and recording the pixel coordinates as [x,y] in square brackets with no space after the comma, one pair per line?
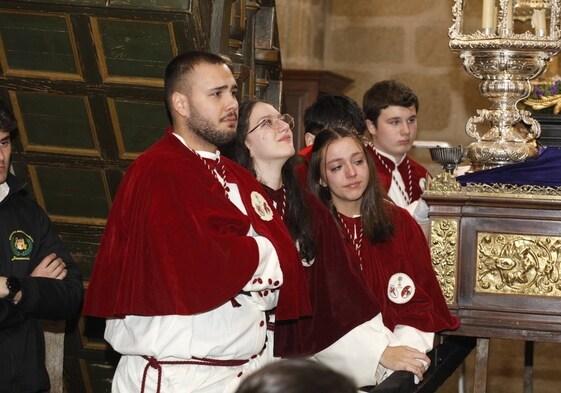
[21,244]
[400,288]
[261,206]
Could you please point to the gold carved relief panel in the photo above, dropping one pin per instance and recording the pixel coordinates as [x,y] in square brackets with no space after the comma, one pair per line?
[444,253]
[518,264]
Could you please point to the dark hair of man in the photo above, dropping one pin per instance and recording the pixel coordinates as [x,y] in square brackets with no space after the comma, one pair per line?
[180,67]
[334,110]
[7,120]
[376,219]
[384,94]
[296,216]
[296,376]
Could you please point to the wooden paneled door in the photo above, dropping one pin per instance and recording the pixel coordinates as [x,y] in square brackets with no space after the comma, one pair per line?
[84,79]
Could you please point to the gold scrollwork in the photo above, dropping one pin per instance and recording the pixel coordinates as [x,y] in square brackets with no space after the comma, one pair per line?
[525,191]
[444,253]
[444,183]
[544,102]
[518,264]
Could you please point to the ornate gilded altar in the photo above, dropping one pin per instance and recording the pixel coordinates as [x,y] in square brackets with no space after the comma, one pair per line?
[496,251]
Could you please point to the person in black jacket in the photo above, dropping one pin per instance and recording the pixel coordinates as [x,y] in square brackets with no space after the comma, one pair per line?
[38,278]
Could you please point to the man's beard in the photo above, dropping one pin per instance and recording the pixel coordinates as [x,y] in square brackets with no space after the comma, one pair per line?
[208,131]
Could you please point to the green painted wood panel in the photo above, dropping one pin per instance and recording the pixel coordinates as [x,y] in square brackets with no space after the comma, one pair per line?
[135,49]
[35,42]
[77,194]
[56,120]
[141,123]
[83,250]
[103,64]
[167,5]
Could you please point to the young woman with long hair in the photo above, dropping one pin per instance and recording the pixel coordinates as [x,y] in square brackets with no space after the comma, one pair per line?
[387,243]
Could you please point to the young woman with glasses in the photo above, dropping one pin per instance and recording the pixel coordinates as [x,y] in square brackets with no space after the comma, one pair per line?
[346,330]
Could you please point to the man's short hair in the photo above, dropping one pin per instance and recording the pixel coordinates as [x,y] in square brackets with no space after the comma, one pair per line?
[332,111]
[7,120]
[181,66]
[384,94]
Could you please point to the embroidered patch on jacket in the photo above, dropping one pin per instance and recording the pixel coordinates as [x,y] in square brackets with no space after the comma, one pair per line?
[400,288]
[261,206]
[21,244]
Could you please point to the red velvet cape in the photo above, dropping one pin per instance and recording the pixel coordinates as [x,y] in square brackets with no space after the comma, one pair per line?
[175,245]
[301,168]
[340,299]
[406,252]
[418,172]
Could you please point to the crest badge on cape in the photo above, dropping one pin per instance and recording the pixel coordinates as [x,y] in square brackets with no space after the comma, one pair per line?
[400,288]
[261,206]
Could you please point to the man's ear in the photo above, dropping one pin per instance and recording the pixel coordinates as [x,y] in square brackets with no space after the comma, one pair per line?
[309,138]
[180,104]
[371,127]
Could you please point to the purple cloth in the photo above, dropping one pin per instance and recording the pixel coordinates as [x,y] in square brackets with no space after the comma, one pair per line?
[545,170]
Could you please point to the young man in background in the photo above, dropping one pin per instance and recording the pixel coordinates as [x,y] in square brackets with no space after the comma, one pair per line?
[391,117]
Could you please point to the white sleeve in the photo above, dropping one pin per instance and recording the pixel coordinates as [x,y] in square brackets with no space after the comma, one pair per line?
[419,210]
[268,274]
[265,283]
[357,354]
[414,338]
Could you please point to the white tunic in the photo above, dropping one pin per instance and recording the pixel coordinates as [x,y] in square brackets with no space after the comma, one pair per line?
[226,333]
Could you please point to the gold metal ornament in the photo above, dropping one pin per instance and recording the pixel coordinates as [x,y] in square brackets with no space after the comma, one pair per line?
[518,264]
[444,254]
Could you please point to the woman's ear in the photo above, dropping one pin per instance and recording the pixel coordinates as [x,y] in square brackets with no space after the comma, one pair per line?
[248,148]
[322,183]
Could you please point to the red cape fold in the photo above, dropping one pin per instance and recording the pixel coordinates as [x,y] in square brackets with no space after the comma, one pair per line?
[306,152]
[340,299]
[406,252]
[418,172]
[175,245]
[301,168]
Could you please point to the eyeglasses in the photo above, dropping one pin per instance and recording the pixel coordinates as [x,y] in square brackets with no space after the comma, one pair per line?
[273,122]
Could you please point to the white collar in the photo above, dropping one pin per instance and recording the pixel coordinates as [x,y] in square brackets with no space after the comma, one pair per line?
[389,157]
[202,153]
[4,190]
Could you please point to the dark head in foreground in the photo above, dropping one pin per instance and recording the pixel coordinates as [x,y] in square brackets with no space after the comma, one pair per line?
[296,376]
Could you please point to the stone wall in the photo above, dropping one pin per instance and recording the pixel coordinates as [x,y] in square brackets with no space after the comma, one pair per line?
[371,40]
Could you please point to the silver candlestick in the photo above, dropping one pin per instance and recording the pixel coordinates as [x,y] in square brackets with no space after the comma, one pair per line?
[505,61]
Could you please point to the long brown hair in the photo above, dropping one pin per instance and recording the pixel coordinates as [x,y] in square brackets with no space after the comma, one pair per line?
[376,219]
[297,215]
